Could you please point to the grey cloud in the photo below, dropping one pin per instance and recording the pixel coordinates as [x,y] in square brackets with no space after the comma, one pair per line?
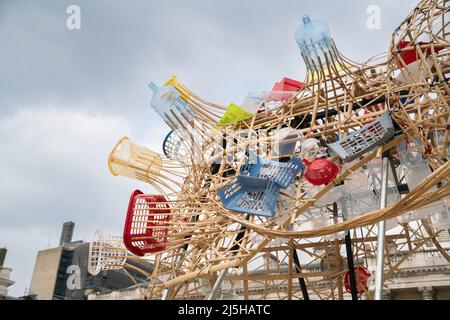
[232,44]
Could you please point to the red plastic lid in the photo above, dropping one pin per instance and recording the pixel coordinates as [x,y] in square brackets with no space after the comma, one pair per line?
[292,82]
[411,55]
[276,87]
[287,84]
[362,276]
[320,171]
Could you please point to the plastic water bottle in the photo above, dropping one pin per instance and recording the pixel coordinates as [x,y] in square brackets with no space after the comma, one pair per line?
[167,101]
[314,40]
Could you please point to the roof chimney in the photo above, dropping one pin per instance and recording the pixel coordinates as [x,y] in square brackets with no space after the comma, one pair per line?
[67,233]
[2,256]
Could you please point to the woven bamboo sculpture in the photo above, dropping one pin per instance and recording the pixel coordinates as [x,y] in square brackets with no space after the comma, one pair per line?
[232,198]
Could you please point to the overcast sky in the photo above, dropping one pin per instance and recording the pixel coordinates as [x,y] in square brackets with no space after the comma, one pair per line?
[67,96]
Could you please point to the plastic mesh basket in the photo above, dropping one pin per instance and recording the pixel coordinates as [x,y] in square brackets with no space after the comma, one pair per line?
[282,173]
[173,148]
[359,142]
[146,224]
[250,195]
[134,161]
[182,150]
[106,253]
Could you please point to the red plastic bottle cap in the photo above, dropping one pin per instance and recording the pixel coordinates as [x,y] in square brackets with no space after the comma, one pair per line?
[320,171]
[362,276]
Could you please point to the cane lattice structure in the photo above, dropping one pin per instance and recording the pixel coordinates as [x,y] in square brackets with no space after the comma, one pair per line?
[320,236]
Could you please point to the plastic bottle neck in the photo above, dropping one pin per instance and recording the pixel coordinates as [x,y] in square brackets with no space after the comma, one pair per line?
[154,87]
[306,19]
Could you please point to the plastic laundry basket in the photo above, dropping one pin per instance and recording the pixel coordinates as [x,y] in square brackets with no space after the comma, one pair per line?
[250,195]
[359,142]
[174,149]
[106,253]
[146,224]
[171,146]
[282,173]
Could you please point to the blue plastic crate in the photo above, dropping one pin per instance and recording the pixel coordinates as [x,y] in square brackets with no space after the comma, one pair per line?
[250,195]
[282,173]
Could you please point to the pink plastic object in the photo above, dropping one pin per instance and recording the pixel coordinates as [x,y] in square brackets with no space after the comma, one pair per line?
[286,85]
[362,275]
[320,171]
[146,223]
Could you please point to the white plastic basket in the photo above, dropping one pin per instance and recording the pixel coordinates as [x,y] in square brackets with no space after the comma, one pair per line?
[363,140]
[106,253]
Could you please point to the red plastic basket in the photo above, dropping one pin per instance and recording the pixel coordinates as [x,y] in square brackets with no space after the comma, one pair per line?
[320,171]
[362,276]
[146,224]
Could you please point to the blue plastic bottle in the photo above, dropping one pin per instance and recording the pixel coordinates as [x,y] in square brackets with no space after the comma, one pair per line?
[314,40]
[167,101]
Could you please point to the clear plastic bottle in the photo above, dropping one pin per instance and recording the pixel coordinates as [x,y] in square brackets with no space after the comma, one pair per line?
[284,141]
[410,152]
[167,101]
[314,40]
